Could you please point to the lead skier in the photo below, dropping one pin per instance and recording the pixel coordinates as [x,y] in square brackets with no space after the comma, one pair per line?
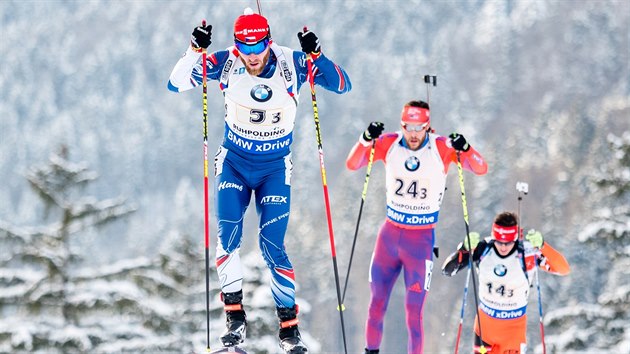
[260,81]
[416,165]
[506,271]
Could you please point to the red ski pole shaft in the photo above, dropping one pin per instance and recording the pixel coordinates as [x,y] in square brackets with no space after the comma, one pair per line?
[320,149]
[205,188]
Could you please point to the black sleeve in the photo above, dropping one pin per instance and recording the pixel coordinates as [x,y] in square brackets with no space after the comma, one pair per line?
[454,262]
[459,259]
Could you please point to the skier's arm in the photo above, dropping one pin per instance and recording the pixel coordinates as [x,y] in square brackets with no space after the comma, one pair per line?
[459,259]
[180,79]
[455,262]
[471,159]
[327,74]
[549,259]
[553,261]
[331,76]
[188,72]
[360,153]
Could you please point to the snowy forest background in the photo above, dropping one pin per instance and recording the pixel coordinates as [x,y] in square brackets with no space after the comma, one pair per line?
[101,200]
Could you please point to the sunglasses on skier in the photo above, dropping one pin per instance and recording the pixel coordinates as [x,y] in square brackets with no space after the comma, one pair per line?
[255,48]
[415,127]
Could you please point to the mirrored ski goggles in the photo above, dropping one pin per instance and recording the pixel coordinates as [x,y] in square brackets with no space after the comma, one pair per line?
[414,127]
[255,48]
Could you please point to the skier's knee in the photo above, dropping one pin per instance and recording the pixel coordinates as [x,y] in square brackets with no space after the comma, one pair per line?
[275,256]
[378,306]
[229,248]
[230,238]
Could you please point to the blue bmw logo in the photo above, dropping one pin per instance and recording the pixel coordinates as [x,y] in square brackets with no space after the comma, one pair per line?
[500,270]
[261,93]
[412,163]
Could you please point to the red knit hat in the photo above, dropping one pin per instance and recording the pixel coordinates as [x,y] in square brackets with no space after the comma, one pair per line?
[250,28]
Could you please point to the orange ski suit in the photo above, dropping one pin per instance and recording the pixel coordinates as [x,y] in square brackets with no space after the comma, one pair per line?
[502,308]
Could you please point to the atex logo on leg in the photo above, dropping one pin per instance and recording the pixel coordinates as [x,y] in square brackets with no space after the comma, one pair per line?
[273,199]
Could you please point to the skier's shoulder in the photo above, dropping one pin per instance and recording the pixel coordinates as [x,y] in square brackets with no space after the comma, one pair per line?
[285,50]
[280,54]
[391,135]
[487,241]
[484,245]
[382,144]
[442,143]
[218,58]
[526,248]
[439,139]
[386,140]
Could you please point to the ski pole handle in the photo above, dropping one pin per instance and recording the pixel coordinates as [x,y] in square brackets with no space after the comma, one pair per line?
[310,55]
[522,187]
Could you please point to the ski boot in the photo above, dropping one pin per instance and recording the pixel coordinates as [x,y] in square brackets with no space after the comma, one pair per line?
[371,351]
[235,319]
[290,340]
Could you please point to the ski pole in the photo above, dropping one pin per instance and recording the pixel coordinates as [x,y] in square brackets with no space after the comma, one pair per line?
[259,8]
[356,229]
[206,228]
[471,265]
[461,314]
[523,187]
[430,79]
[540,309]
[318,135]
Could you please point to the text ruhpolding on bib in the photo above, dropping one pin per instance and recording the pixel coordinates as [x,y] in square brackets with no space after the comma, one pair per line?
[260,112]
[415,184]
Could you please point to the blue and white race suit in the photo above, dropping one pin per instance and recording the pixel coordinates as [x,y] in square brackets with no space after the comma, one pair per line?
[255,153]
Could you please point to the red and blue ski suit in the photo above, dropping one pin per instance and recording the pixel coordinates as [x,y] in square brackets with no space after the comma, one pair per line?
[255,156]
[415,182]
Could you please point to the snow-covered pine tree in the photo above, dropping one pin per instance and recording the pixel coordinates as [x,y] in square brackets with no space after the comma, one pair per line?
[603,325]
[40,301]
[51,301]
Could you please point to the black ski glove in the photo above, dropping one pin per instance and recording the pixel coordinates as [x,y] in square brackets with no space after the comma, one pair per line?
[458,142]
[309,42]
[373,131]
[201,36]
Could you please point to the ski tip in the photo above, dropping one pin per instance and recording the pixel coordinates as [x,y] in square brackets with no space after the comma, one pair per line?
[342,308]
